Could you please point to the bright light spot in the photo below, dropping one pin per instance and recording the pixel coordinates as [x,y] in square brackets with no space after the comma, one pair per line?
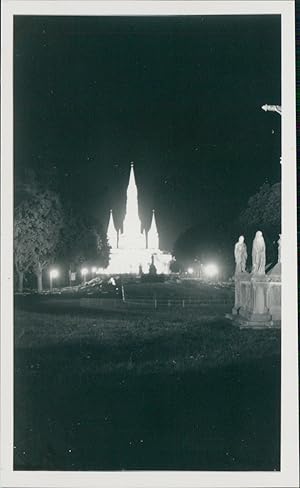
[190,271]
[94,269]
[84,271]
[211,270]
[53,273]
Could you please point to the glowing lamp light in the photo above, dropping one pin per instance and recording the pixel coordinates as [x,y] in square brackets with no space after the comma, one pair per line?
[84,271]
[94,269]
[190,270]
[211,270]
[54,273]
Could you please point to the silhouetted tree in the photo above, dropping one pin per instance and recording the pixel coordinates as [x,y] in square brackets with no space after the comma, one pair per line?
[264,213]
[38,224]
[24,238]
[83,242]
[103,248]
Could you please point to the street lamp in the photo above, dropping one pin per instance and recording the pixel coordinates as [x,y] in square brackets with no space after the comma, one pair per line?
[84,272]
[272,108]
[190,271]
[211,270]
[53,274]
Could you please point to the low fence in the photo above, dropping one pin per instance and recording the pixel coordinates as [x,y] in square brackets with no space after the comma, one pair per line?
[154,303]
[175,302]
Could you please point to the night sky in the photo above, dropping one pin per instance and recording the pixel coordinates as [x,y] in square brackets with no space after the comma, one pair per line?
[179,96]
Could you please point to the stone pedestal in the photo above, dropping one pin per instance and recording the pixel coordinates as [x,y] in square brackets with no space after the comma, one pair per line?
[238,278]
[254,312]
[274,293]
[251,301]
[257,302]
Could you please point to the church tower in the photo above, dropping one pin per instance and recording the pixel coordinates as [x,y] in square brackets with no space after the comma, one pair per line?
[153,238]
[132,236]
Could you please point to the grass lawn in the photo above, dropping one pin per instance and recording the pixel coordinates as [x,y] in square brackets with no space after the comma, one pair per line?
[113,390]
[186,289]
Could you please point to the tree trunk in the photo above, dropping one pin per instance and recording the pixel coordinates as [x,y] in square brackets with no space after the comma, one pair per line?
[39,274]
[21,279]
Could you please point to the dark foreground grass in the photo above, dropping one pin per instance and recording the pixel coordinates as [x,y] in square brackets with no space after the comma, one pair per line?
[111,390]
[187,289]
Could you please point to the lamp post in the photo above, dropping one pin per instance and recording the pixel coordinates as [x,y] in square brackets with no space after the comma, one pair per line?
[84,272]
[211,271]
[272,108]
[53,274]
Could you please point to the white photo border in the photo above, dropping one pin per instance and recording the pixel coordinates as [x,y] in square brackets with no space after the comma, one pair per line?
[288,476]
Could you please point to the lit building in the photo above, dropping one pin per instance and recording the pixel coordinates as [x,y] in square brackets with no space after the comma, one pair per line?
[133,249]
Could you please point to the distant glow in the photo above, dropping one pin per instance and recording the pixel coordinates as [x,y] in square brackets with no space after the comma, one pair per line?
[94,269]
[190,270]
[211,270]
[54,273]
[132,248]
[84,271]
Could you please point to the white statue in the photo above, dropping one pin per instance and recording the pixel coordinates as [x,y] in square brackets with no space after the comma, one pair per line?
[240,255]
[279,248]
[258,254]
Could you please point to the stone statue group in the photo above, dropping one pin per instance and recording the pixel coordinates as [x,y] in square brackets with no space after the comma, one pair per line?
[258,254]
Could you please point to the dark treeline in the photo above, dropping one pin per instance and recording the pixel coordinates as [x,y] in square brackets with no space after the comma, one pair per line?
[48,231]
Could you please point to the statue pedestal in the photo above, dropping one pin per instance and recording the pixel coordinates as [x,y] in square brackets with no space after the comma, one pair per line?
[254,311]
[250,309]
[274,293]
[238,298]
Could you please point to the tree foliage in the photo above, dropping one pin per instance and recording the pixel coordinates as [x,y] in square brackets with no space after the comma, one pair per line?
[264,213]
[37,226]
[24,239]
[264,210]
[83,242]
[103,248]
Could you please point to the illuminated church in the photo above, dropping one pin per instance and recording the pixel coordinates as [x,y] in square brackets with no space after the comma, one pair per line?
[133,249]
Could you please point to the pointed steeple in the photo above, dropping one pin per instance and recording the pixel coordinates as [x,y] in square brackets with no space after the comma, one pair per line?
[153,238]
[111,232]
[132,188]
[132,223]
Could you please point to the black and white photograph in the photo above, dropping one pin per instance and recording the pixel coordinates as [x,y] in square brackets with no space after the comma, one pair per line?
[149,194]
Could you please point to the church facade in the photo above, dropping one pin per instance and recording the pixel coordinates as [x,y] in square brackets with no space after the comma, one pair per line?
[133,249]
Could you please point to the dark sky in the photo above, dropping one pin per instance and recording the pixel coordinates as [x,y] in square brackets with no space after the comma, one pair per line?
[179,96]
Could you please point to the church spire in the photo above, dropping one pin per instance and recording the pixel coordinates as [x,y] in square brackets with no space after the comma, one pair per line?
[111,232]
[132,223]
[153,238]
[132,184]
